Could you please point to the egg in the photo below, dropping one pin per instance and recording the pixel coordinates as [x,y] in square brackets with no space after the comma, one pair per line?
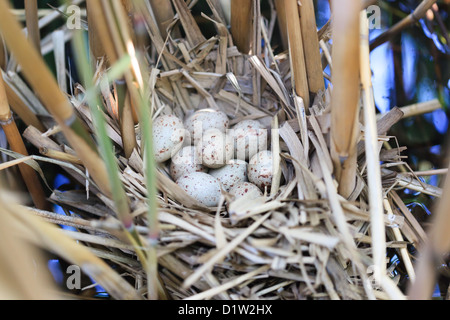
[201,186]
[203,120]
[250,138]
[168,137]
[260,169]
[243,188]
[231,174]
[186,161]
[215,148]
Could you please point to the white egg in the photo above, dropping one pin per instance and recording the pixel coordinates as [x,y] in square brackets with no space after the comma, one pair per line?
[215,148]
[244,188]
[186,161]
[231,174]
[168,137]
[203,120]
[250,138]
[260,169]
[201,186]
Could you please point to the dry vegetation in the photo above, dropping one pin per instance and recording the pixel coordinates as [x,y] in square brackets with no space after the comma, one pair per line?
[331,215]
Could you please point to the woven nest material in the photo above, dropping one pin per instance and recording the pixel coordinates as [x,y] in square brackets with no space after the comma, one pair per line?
[301,240]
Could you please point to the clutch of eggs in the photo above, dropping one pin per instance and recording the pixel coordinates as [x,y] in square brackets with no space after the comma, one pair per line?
[207,158]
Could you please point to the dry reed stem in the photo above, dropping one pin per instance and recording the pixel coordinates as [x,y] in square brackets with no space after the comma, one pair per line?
[51,238]
[281,17]
[372,152]
[296,51]
[412,18]
[345,92]
[313,242]
[163,15]
[31,17]
[311,47]
[193,33]
[20,108]
[3,54]
[45,85]
[403,251]
[377,225]
[99,39]
[96,45]
[241,24]
[16,144]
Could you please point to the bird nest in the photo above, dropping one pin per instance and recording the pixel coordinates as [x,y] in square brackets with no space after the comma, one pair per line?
[301,240]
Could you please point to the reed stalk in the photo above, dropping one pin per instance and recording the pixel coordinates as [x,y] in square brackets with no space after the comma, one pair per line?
[372,154]
[193,34]
[43,82]
[52,238]
[164,15]
[296,51]
[241,24]
[20,108]
[311,47]
[111,29]
[32,19]
[281,17]
[16,144]
[345,94]
[412,18]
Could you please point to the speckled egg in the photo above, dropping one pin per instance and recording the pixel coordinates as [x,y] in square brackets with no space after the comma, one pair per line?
[231,174]
[186,161]
[203,120]
[243,188]
[215,148]
[201,186]
[260,169]
[168,137]
[250,138]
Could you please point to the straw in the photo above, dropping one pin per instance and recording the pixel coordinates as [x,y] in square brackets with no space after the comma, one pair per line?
[431,254]
[43,82]
[16,144]
[345,94]
[296,51]
[311,47]
[31,17]
[241,24]
[412,18]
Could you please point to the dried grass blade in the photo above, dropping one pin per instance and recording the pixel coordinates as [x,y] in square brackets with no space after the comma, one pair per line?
[345,94]
[223,252]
